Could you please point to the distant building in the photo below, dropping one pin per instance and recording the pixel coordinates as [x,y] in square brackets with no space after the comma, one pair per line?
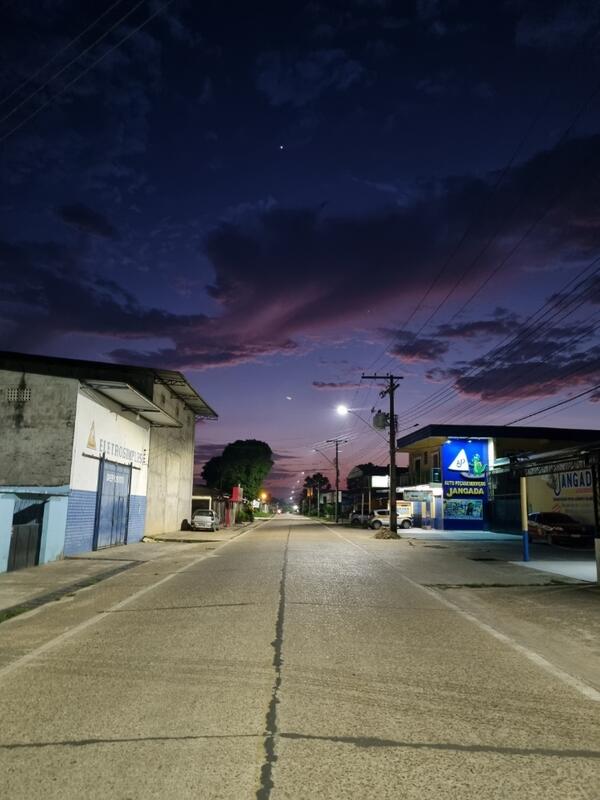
[91,455]
[461,476]
[368,487]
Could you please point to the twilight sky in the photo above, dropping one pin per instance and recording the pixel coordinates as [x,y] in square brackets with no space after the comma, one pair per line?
[274,197]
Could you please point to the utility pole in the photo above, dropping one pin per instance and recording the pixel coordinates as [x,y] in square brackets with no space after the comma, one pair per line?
[337,443]
[392,385]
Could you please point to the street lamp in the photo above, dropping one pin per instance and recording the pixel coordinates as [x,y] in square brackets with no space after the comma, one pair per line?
[343,411]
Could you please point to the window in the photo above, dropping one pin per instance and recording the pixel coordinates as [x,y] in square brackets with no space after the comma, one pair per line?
[436,460]
[15,395]
[425,458]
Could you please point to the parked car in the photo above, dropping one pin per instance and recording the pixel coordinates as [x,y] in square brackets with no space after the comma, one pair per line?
[381,518]
[552,526]
[358,520]
[205,519]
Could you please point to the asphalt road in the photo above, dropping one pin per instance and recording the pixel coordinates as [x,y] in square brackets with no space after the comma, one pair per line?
[292,662]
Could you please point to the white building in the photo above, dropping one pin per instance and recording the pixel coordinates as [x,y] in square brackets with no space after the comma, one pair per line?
[91,455]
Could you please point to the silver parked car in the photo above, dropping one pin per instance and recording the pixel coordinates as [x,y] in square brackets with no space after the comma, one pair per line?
[381,518]
[204,519]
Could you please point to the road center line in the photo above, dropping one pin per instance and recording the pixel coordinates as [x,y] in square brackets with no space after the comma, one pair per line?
[266,773]
[570,680]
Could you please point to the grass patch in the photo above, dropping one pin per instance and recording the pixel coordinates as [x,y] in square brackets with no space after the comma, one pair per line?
[9,613]
[552,582]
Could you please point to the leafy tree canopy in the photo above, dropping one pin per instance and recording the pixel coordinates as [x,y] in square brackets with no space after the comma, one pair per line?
[212,472]
[245,461]
[318,480]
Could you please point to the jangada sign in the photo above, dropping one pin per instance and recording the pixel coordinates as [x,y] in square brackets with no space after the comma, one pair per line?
[464,478]
[573,482]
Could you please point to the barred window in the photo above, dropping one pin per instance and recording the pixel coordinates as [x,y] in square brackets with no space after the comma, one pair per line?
[16,395]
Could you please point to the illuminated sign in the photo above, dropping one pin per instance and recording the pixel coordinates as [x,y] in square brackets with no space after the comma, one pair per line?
[465,472]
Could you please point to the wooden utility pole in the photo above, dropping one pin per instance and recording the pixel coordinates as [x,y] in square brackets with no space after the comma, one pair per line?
[337,443]
[392,385]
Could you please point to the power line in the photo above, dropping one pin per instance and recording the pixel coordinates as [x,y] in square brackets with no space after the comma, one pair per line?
[492,190]
[87,69]
[59,53]
[535,369]
[70,63]
[528,368]
[556,405]
[535,325]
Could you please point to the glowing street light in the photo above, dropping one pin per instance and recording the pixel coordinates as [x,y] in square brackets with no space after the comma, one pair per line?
[343,410]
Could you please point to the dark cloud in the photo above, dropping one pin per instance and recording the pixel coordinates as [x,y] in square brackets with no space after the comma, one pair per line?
[503,323]
[521,368]
[285,276]
[46,293]
[85,219]
[409,347]
[590,288]
[297,79]
[204,452]
[556,25]
[334,385]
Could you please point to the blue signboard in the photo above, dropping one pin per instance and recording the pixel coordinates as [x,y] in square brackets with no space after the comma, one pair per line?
[465,481]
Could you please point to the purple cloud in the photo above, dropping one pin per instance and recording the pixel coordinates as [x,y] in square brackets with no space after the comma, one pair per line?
[86,220]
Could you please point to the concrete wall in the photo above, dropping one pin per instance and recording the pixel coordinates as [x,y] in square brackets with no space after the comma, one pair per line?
[170,467]
[36,430]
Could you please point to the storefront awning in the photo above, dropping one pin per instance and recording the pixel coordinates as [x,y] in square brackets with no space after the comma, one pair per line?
[131,400]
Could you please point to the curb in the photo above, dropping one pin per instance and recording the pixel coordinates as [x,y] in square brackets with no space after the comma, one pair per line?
[237,532]
[10,612]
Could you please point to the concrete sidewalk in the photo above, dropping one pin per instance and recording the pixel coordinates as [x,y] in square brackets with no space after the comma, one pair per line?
[28,588]
[471,557]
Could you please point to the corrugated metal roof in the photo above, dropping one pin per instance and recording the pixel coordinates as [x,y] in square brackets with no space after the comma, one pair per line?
[139,377]
[178,384]
[129,398]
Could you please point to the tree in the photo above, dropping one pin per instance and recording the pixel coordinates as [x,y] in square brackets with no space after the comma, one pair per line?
[212,472]
[317,483]
[245,461]
[318,480]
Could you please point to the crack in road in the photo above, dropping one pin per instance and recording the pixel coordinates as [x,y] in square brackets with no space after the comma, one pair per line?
[367,742]
[266,772]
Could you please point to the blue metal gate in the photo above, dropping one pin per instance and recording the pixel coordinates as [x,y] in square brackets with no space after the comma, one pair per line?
[112,514]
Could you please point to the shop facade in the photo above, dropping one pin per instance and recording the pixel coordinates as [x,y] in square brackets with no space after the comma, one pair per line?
[460,476]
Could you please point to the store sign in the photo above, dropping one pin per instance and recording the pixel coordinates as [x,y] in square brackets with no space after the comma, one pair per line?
[380,481]
[464,478]
[570,483]
[417,495]
[114,449]
[101,432]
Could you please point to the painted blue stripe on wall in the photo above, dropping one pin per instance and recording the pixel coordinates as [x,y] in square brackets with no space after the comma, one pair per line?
[79,533]
[137,518]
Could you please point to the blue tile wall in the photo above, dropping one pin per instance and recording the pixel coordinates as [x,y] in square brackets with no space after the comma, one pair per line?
[79,533]
[137,518]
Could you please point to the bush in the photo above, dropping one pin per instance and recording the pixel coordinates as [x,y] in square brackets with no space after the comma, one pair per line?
[244,514]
